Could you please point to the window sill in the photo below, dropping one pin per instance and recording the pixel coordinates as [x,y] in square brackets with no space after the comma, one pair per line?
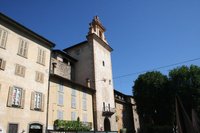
[61,105]
[20,75]
[40,63]
[40,82]
[3,48]
[39,110]
[22,56]
[15,106]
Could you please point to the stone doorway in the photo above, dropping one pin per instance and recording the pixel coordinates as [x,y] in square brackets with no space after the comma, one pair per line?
[107,124]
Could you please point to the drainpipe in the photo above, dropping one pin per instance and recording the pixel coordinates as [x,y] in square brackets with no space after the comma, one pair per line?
[47,115]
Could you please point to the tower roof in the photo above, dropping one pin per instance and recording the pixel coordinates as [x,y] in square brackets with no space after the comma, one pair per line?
[96,21]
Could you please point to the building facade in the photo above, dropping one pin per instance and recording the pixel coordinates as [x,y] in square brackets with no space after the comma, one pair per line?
[94,67]
[39,85]
[24,72]
[68,100]
[126,115]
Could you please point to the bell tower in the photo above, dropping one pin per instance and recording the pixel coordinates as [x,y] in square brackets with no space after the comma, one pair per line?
[94,69]
[104,104]
[97,28]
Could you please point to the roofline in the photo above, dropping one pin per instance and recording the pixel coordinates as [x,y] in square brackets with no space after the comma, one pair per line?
[72,82]
[64,54]
[25,29]
[123,93]
[76,45]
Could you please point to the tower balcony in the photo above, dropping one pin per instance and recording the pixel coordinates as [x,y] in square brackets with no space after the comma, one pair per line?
[108,111]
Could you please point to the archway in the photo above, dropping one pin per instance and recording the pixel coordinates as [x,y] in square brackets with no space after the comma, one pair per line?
[106,124]
[35,128]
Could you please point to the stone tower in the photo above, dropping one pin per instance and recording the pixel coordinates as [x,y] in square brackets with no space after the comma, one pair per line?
[94,69]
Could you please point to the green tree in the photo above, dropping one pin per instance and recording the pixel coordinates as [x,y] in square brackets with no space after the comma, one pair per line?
[185,81]
[153,99]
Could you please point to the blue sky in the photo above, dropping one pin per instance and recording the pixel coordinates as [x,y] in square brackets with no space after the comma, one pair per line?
[144,34]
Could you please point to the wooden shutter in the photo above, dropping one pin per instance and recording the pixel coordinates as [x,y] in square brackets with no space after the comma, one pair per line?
[10,93]
[3,65]
[22,102]
[42,78]
[3,39]
[17,69]
[43,102]
[25,48]
[32,101]
[1,33]
[23,71]
[43,57]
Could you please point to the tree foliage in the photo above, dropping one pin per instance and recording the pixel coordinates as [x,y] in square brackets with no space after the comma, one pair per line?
[154,94]
[153,99]
[185,81]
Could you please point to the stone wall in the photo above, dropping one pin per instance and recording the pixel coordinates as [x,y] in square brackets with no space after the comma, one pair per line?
[62,69]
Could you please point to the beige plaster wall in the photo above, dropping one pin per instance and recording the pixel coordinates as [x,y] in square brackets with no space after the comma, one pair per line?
[104,89]
[8,78]
[66,108]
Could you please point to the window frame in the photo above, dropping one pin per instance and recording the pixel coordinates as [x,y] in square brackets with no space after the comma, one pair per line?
[41,57]
[23,48]
[11,99]
[4,33]
[20,70]
[39,77]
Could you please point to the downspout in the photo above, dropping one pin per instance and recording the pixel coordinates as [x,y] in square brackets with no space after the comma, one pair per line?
[47,115]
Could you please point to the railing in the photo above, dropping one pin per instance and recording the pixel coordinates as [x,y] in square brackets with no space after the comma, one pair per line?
[107,111]
[54,131]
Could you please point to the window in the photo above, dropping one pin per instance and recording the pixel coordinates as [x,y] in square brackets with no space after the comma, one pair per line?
[20,70]
[110,82]
[59,115]
[100,35]
[103,63]
[61,87]
[41,56]
[12,128]
[16,97]
[37,101]
[60,99]
[73,102]
[23,48]
[2,64]
[73,116]
[3,38]
[84,101]
[84,117]
[73,99]
[39,77]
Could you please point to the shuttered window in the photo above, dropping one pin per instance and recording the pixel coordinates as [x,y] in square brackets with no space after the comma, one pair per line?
[60,99]
[16,97]
[3,38]
[61,87]
[41,56]
[84,117]
[20,70]
[59,114]
[39,77]
[37,101]
[84,101]
[73,99]
[2,64]
[23,48]
[73,116]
